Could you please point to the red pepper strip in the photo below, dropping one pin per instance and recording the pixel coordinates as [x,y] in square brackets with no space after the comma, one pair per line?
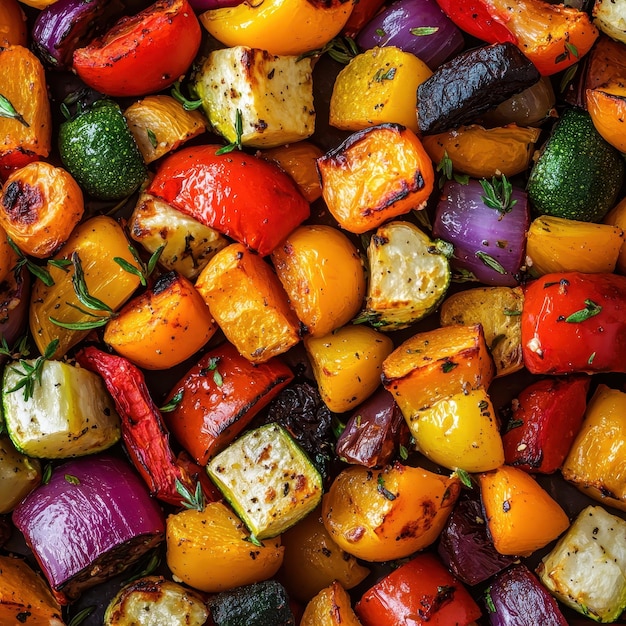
[143,431]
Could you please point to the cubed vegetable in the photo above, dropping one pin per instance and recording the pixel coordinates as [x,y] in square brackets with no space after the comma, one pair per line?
[19,475]
[330,607]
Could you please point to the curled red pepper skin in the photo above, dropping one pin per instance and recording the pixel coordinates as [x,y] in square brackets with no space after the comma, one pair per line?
[244,197]
[143,432]
[575,323]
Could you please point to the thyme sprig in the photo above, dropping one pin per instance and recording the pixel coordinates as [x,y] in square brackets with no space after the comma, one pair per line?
[591,309]
[189,104]
[446,169]
[145,269]
[19,351]
[191,500]
[32,370]
[498,194]
[238,135]
[8,110]
[340,49]
[36,270]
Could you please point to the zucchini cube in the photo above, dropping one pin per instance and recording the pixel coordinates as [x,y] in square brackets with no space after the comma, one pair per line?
[274,95]
[585,570]
[268,480]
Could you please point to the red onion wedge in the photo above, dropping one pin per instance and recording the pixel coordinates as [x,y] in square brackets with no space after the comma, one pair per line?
[68,24]
[90,522]
[489,244]
[416,26]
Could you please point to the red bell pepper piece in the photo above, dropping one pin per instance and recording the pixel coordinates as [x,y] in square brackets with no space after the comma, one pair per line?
[546,417]
[552,36]
[573,323]
[244,197]
[144,435]
[420,592]
[362,13]
[144,53]
[219,396]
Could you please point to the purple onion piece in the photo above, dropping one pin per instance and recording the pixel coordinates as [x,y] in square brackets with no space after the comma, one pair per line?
[489,244]
[90,522]
[62,27]
[416,26]
[517,598]
[373,432]
[14,301]
[465,546]
[207,5]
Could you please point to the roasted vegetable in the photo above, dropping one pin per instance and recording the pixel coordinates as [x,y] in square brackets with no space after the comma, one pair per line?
[557,244]
[574,322]
[510,497]
[163,326]
[517,596]
[374,433]
[241,196]
[268,479]
[498,310]
[141,54]
[585,568]
[386,80]
[92,520]
[98,149]
[160,124]
[330,607]
[313,560]
[347,364]
[54,410]
[24,596]
[465,546]
[140,421]
[546,417]
[409,276]
[257,99]
[594,463]
[154,601]
[279,28]
[420,592]
[218,397]
[26,133]
[12,24]
[19,475]
[577,175]
[39,207]
[260,604]
[248,303]
[374,175]
[189,245]
[470,84]
[323,275]
[211,550]
[436,364]
[609,17]
[617,217]
[389,513]
[606,106]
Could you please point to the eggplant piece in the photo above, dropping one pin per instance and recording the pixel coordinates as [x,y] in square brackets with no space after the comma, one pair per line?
[91,521]
[374,432]
[471,84]
[517,598]
[14,301]
[465,546]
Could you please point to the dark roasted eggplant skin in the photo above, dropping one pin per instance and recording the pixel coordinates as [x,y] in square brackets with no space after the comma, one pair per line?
[471,84]
[66,25]
[517,598]
[465,547]
[374,432]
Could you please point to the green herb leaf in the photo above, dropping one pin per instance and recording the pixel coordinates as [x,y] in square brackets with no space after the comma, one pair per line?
[101,321]
[464,477]
[512,312]
[62,264]
[238,133]
[71,479]
[340,49]
[489,261]
[591,358]
[498,194]
[81,616]
[591,309]
[404,453]
[382,75]
[8,110]
[173,403]
[254,541]
[491,607]
[380,32]
[448,366]
[36,270]
[152,138]
[80,288]
[572,49]
[131,269]
[31,372]
[568,76]
[383,490]
[188,105]
[19,351]
[512,424]
[420,31]
[46,474]
[151,564]
[190,500]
